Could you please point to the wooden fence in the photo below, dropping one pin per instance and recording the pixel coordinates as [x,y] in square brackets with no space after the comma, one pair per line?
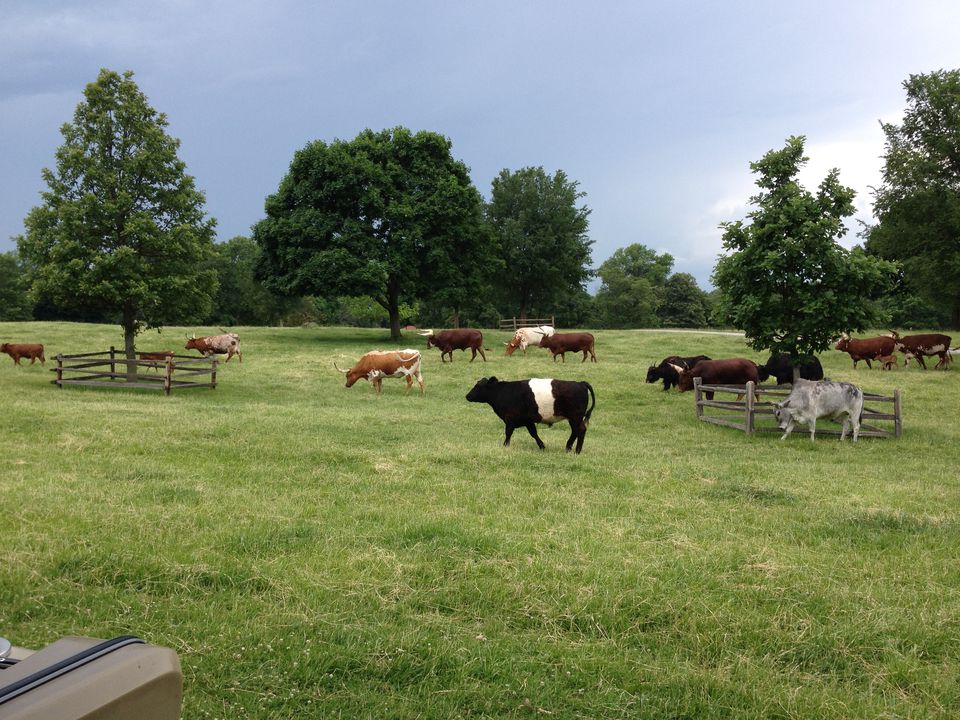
[108,369]
[514,323]
[744,414]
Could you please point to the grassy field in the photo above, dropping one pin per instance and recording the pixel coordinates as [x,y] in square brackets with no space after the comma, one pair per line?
[314,551]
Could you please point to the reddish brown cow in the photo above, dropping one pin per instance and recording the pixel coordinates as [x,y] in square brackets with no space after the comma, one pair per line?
[919,345]
[450,340]
[735,371]
[155,358]
[560,343]
[24,350]
[378,364]
[865,348]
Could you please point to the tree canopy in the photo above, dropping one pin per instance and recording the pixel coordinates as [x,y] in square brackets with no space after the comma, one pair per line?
[389,214]
[918,203]
[786,281]
[541,237]
[121,229]
[14,293]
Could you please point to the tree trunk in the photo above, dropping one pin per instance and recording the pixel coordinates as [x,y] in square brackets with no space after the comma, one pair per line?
[955,315]
[129,342]
[796,374]
[456,318]
[393,303]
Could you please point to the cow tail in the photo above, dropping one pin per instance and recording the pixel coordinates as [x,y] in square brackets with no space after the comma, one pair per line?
[586,417]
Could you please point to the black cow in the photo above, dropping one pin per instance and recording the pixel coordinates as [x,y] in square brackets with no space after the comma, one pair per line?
[670,368]
[524,403]
[781,367]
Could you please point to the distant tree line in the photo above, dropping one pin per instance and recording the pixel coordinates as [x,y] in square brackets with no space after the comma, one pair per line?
[387,229]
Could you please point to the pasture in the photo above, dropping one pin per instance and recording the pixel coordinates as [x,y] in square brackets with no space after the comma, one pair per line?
[314,551]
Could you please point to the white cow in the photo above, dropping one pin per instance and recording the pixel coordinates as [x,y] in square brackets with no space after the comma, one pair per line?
[528,336]
[811,399]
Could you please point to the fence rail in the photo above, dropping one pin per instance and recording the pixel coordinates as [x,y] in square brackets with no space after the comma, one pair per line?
[743,414]
[107,369]
[515,323]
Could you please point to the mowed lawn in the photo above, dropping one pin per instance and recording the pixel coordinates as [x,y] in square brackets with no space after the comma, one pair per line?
[314,551]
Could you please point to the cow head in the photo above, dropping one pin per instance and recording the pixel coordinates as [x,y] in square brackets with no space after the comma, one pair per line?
[653,374]
[5,347]
[352,374]
[783,413]
[191,343]
[512,345]
[482,391]
[843,343]
[685,381]
[430,336]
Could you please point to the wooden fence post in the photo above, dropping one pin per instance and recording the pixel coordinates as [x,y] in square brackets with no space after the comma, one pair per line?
[168,374]
[750,398]
[897,420]
[113,354]
[213,373]
[60,370]
[696,396]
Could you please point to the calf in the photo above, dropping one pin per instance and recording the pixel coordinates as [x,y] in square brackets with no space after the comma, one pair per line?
[450,340]
[781,367]
[560,343]
[890,361]
[670,368]
[865,348]
[524,403]
[920,345]
[155,358]
[735,371]
[24,350]
[811,400]
[378,364]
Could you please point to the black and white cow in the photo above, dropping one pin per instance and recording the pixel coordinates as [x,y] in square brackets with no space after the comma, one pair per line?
[670,368]
[524,403]
[781,367]
[811,400]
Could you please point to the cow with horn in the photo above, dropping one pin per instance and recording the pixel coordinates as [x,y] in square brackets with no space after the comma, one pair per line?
[378,364]
[450,340]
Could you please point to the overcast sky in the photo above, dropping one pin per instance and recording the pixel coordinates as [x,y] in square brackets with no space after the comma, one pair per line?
[656,109]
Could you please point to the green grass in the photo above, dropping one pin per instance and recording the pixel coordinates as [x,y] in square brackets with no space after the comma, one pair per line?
[314,551]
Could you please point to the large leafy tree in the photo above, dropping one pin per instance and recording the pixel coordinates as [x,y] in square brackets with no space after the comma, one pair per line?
[241,299]
[632,287]
[918,203]
[684,303]
[541,234]
[121,229]
[786,281]
[14,300]
[390,214]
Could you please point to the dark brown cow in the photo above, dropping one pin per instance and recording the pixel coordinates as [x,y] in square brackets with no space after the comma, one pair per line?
[735,371]
[865,348]
[450,340]
[560,343]
[378,364]
[919,345]
[24,350]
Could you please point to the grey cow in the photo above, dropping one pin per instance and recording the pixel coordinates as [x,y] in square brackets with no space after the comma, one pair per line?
[810,400]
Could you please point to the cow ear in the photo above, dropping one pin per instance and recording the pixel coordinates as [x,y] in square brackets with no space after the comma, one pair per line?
[492,379]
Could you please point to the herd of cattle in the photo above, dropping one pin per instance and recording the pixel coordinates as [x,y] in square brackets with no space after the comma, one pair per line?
[525,403]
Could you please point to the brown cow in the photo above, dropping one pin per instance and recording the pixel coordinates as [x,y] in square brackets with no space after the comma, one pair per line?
[560,343]
[227,344]
[889,361]
[378,364]
[155,358]
[450,340]
[919,345]
[25,350]
[865,348]
[735,371]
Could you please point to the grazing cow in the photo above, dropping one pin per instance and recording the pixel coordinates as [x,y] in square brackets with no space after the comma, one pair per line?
[560,343]
[890,361]
[378,364]
[811,400]
[865,348]
[155,358]
[24,350]
[524,403]
[920,345]
[227,344]
[735,371]
[781,367]
[528,336]
[450,340]
[670,368]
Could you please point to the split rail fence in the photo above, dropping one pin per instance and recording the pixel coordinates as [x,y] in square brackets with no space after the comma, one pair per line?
[744,414]
[110,369]
[515,323]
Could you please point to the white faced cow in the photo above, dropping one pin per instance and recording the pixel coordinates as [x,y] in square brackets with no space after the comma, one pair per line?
[810,400]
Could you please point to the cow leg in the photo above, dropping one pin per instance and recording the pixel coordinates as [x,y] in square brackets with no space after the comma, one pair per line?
[409,384]
[482,354]
[813,429]
[532,429]
[377,382]
[867,360]
[584,357]
[473,354]
[920,360]
[509,434]
[788,429]
[420,381]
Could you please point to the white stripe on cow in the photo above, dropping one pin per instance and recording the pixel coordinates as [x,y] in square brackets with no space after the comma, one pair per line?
[543,395]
